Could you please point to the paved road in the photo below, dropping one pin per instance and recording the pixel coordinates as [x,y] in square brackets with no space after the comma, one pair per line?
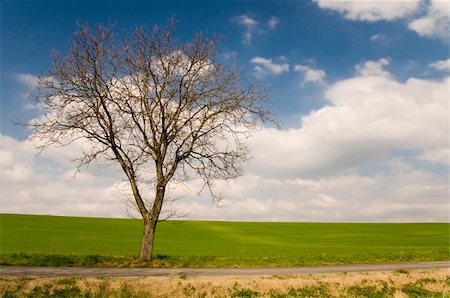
[80,272]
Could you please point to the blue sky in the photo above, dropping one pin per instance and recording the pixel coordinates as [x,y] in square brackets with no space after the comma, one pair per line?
[348,84]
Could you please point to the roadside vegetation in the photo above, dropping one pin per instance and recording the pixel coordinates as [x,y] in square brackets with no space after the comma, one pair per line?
[429,283]
[76,241]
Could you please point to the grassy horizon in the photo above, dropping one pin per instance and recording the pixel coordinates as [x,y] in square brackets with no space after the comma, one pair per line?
[116,241]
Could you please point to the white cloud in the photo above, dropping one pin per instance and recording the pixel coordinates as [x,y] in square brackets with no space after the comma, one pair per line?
[377,37]
[247,21]
[436,22]
[250,26]
[406,196]
[338,166]
[442,65]
[310,75]
[311,173]
[247,37]
[440,155]
[273,22]
[264,66]
[27,79]
[427,18]
[43,184]
[368,117]
[370,10]
[29,82]
[373,68]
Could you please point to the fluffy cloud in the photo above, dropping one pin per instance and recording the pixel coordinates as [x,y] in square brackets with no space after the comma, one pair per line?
[250,26]
[378,38]
[408,195]
[45,184]
[430,19]
[373,68]
[442,65]
[310,75]
[264,66]
[27,79]
[342,164]
[440,155]
[369,10]
[247,21]
[368,117]
[436,21]
[273,22]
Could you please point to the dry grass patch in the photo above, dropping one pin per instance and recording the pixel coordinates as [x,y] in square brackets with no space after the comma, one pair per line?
[420,283]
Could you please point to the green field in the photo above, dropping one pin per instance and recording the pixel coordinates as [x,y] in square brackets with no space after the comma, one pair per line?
[222,244]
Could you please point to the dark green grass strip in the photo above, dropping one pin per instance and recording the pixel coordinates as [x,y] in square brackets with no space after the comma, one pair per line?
[78,241]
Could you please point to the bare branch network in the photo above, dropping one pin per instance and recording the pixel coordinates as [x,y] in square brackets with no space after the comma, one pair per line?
[163,110]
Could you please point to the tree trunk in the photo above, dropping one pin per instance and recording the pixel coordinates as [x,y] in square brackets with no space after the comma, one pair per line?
[148,238]
[150,221]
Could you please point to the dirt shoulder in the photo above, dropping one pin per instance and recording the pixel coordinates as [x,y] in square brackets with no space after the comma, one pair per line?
[399,283]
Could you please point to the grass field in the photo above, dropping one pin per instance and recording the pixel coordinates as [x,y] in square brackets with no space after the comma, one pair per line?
[26,239]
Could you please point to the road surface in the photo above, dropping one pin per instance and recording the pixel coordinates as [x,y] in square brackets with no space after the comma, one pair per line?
[117,272]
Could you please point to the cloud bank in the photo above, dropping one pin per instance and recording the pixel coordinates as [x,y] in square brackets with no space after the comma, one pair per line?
[377,151]
[427,18]
[436,21]
[371,11]
[367,117]
[442,65]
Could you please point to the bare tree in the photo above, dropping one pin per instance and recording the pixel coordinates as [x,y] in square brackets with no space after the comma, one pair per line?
[162,109]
